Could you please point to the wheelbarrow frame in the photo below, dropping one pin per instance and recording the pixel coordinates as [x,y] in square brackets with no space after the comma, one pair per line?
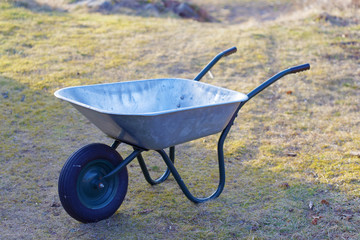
[169,158]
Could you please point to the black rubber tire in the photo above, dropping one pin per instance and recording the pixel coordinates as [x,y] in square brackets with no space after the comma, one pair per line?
[101,159]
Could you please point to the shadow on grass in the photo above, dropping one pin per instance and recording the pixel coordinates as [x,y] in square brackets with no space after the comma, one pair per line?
[256,202]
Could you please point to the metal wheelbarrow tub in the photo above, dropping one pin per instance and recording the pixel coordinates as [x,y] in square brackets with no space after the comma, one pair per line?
[155,113]
[149,115]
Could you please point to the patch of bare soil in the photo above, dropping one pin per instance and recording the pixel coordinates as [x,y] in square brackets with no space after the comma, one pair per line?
[258,11]
[336,20]
[238,12]
[145,8]
[42,5]
[232,13]
[228,12]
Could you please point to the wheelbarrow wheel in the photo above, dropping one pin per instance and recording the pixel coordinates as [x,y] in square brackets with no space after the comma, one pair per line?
[83,193]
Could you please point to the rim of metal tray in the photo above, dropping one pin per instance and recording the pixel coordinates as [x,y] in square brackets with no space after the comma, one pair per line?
[149,114]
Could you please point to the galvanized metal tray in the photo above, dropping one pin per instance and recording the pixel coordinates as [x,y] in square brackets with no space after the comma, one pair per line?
[155,113]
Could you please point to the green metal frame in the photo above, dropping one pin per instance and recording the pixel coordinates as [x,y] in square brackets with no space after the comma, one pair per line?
[146,172]
[170,159]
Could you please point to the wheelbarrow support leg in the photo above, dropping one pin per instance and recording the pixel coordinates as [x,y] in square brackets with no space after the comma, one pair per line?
[221,163]
[115,144]
[147,174]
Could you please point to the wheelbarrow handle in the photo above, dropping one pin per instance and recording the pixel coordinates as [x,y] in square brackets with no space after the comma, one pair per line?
[276,77]
[229,52]
[214,61]
[300,68]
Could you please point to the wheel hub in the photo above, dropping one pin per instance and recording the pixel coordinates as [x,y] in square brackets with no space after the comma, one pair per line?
[94,191]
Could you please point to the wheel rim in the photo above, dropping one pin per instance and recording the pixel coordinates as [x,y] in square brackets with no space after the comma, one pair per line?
[93,191]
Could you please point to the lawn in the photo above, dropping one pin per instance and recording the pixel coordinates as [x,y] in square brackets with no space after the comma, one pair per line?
[292,157]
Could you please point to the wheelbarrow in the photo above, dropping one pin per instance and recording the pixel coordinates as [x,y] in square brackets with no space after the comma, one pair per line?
[153,114]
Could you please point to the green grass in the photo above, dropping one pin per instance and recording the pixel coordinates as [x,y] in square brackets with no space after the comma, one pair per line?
[290,145]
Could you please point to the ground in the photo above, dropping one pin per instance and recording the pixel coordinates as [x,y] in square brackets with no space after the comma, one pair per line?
[292,156]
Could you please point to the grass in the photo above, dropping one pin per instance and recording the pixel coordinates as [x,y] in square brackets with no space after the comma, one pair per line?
[291,145]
